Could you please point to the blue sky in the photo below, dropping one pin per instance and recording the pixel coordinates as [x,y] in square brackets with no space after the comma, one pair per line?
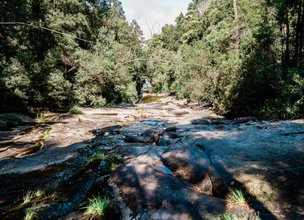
[151,15]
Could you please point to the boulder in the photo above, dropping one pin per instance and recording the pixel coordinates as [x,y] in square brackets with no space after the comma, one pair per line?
[193,165]
[146,189]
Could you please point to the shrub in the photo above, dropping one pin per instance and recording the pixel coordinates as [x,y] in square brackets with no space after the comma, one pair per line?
[75,110]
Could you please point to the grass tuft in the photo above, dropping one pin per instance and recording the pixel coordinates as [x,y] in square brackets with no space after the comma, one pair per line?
[30,214]
[241,216]
[111,158]
[98,207]
[31,195]
[75,110]
[98,156]
[41,117]
[237,197]
[115,160]
[28,197]
[228,216]
[39,193]
[46,134]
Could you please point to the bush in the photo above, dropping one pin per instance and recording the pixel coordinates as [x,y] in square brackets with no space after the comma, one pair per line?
[75,110]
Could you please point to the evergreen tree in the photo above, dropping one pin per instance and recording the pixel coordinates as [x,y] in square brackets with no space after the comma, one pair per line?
[54,53]
[244,57]
[137,30]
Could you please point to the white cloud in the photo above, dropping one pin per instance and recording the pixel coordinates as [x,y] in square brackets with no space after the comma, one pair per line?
[152,15]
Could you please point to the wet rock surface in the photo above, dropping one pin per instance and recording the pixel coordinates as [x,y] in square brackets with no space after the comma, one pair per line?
[161,159]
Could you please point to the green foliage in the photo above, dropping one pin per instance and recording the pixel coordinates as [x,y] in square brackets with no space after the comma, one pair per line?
[228,216]
[41,117]
[75,110]
[243,60]
[113,159]
[237,197]
[28,197]
[30,214]
[99,207]
[31,195]
[160,68]
[81,58]
[241,216]
[98,156]
[16,79]
[242,65]
[46,134]
[192,75]
[39,193]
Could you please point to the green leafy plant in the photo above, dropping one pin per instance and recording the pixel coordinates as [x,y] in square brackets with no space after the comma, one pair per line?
[98,207]
[98,156]
[75,110]
[41,117]
[237,196]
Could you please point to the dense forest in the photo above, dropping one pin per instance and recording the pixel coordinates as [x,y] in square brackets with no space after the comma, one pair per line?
[59,53]
[242,57]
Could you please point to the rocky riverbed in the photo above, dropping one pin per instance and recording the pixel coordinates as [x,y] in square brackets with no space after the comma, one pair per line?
[161,159]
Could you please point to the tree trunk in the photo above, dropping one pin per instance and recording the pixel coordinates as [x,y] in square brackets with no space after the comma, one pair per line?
[287,52]
[298,32]
[235,10]
[285,41]
[301,37]
[236,16]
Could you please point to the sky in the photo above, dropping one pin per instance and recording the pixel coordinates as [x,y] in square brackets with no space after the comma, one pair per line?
[152,15]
